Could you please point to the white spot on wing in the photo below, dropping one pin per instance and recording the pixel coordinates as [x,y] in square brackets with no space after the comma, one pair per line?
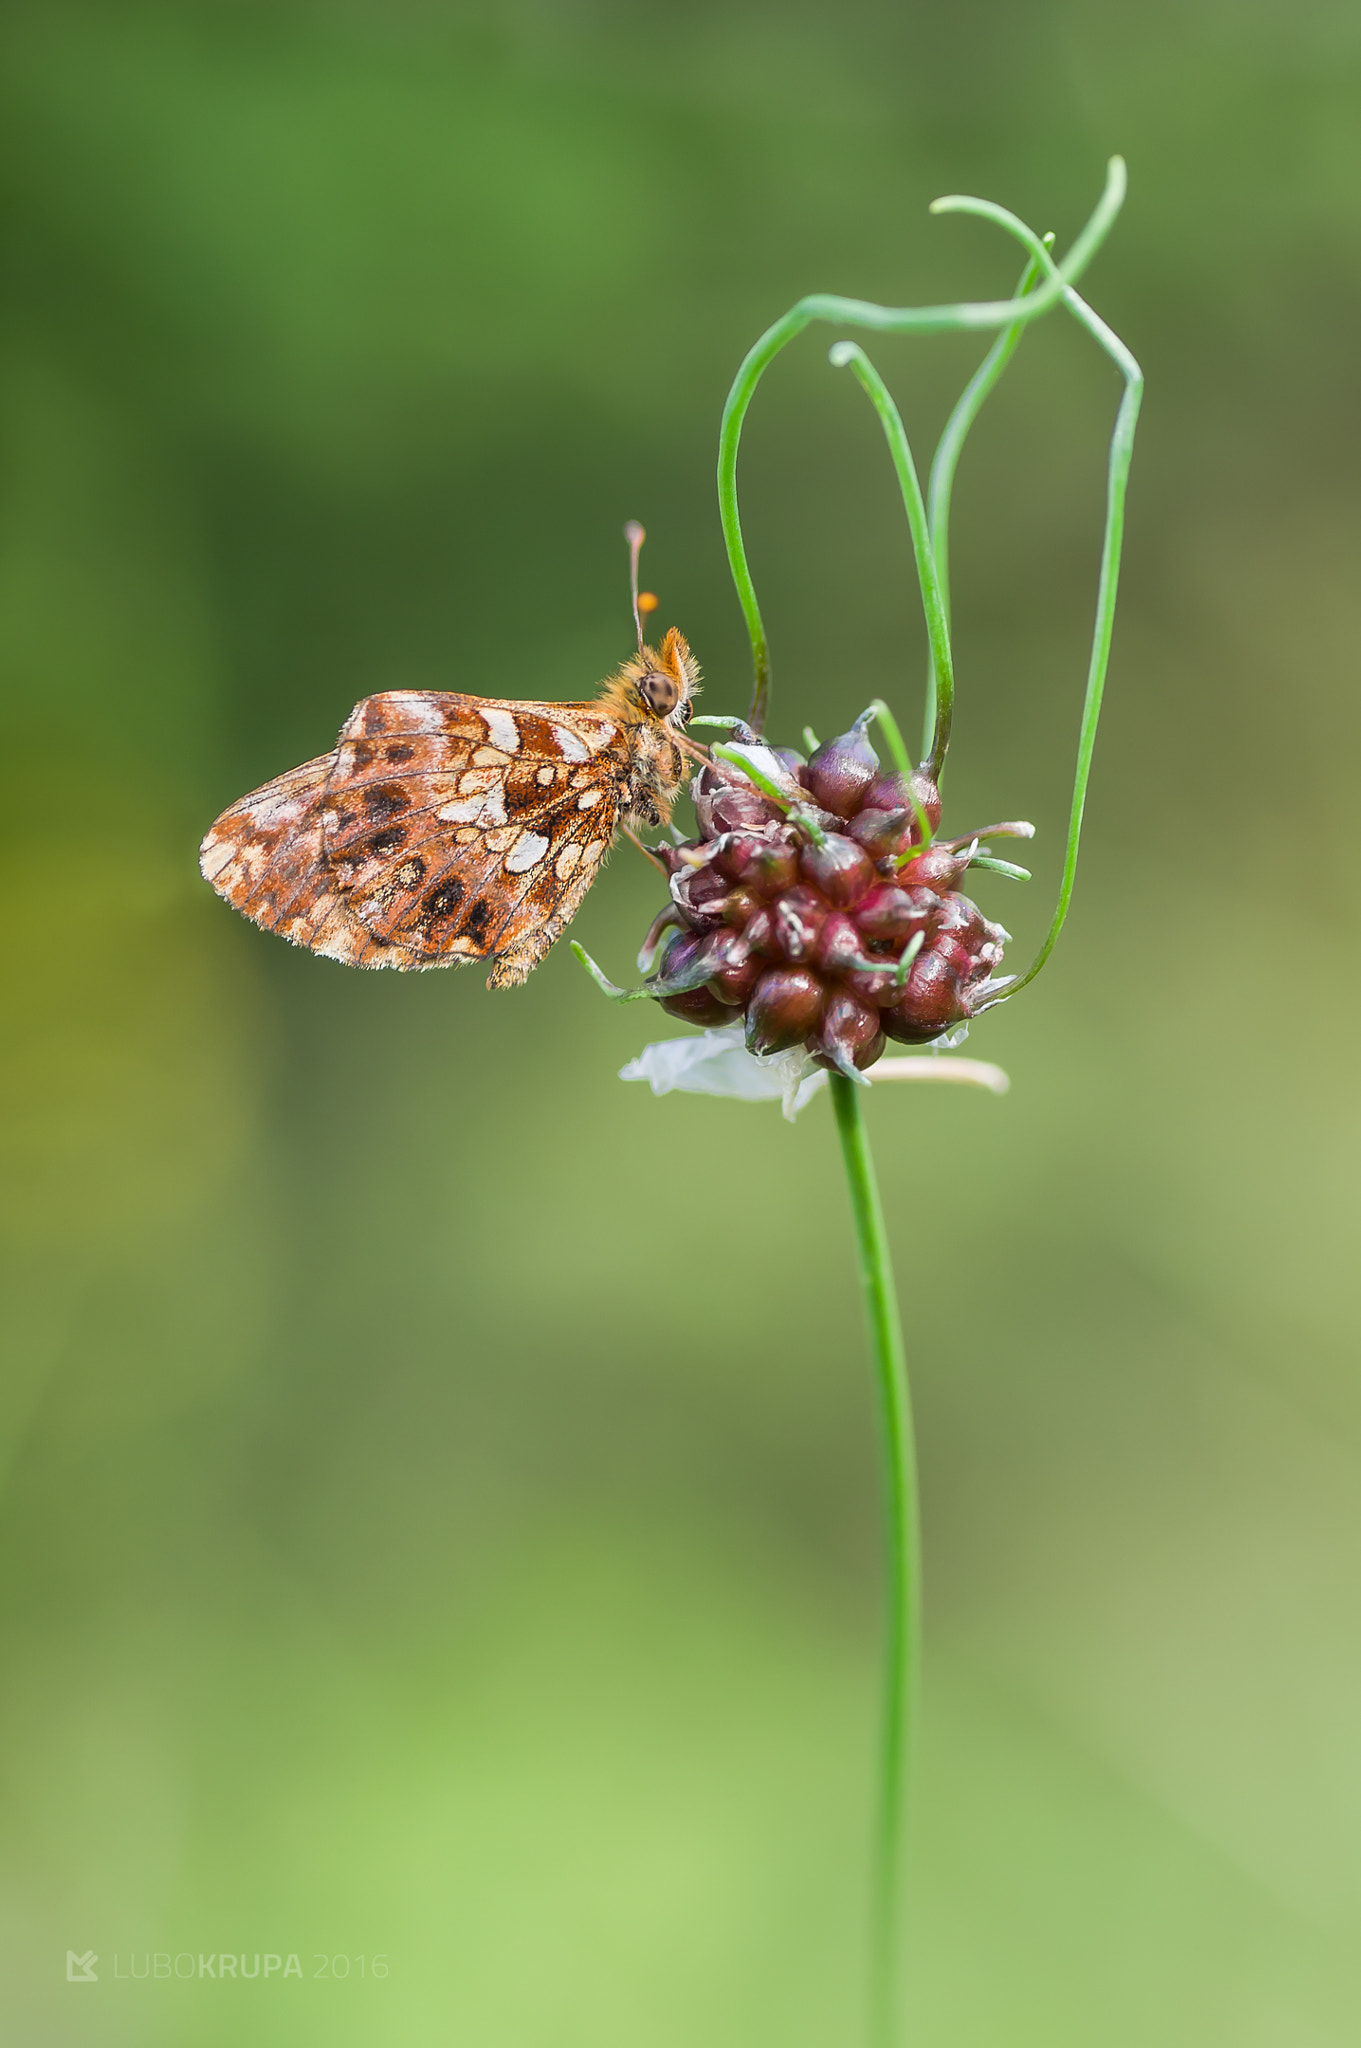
[475,810]
[337,943]
[527,851]
[419,714]
[589,798]
[276,810]
[566,861]
[502,730]
[569,746]
[214,856]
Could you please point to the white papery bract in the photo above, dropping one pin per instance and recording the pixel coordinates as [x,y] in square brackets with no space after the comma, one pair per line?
[716,1062]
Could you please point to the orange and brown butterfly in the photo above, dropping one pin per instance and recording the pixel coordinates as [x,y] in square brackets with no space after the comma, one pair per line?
[443,828]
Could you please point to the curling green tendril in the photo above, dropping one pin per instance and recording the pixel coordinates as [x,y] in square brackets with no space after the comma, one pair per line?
[1043,284]
[930,538]
[946,460]
[942,692]
[843,312]
[1108,581]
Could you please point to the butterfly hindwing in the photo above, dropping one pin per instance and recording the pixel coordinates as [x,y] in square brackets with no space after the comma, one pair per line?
[265,856]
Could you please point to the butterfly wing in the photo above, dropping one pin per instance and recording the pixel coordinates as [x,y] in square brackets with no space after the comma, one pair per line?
[443,828]
[461,827]
[265,855]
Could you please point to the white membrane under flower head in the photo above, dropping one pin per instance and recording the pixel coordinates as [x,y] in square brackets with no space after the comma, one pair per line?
[716,1062]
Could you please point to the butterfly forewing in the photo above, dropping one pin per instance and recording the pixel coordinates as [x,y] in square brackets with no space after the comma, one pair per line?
[455,826]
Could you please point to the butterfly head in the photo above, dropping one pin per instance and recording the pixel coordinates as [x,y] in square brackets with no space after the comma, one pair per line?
[662,684]
[665,683]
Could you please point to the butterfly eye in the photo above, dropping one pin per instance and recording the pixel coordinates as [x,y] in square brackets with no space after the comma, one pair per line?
[659,692]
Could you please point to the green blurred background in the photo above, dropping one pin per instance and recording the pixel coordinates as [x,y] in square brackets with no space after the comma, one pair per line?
[439,1513]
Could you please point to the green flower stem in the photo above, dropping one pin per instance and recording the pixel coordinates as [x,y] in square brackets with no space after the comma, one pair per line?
[737,757]
[897,746]
[603,982]
[945,461]
[1001,867]
[850,353]
[796,813]
[885,319]
[903,765]
[1117,479]
[902,1650]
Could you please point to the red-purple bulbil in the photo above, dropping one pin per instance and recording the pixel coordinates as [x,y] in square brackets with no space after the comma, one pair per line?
[825,921]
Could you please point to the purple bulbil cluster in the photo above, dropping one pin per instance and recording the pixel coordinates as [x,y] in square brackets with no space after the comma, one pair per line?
[829,919]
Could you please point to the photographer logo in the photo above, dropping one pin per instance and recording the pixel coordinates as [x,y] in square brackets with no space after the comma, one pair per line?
[163,1967]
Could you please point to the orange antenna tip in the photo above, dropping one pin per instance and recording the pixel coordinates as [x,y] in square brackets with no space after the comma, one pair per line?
[647,602]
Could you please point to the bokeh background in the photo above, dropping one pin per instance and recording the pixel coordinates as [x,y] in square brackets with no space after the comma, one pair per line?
[439,1516]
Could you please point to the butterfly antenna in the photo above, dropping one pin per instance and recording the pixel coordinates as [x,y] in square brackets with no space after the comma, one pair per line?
[643,601]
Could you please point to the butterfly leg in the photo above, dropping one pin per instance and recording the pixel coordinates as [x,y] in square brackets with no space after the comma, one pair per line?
[646,851]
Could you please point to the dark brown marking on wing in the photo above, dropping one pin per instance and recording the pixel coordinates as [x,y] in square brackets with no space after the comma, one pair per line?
[386,800]
[264,856]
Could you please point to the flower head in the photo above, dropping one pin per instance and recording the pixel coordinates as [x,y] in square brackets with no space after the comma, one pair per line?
[816,906]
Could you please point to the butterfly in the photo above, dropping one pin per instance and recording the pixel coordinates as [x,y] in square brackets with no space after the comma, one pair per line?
[445,828]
